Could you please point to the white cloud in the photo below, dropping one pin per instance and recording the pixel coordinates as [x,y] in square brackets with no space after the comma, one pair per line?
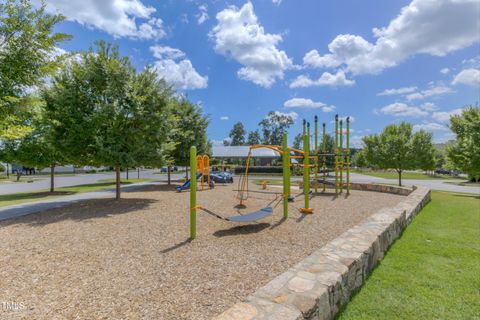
[444,116]
[398,109]
[202,16]
[473,62]
[356,141]
[292,114]
[173,66]
[277,2]
[240,35]
[430,127]
[428,106]
[220,142]
[445,71]
[326,79]
[308,104]
[469,77]
[224,118]
[423,27]
[119,18]
[430,92]
[391,92]
[167,52]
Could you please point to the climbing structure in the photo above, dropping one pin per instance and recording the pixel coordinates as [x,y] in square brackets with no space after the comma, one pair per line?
[341,155]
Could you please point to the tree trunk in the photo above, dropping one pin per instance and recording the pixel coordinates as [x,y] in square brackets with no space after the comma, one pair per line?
[52,177]
[138,173]
[186,172]
[168,174]
[8,173]
[127,173]
[399,177]
[117,182]
[19,173]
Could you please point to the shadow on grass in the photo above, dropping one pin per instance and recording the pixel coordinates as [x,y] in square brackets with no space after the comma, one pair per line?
[27,196]
[81,211]
[241,230]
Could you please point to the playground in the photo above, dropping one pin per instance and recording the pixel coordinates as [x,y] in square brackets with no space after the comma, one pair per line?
[133,258]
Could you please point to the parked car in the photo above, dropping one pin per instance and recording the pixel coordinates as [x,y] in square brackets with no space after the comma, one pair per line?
[172,168]
[442,171]
[221,177]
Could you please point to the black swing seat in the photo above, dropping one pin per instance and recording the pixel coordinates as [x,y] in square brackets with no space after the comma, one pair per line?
[254,216]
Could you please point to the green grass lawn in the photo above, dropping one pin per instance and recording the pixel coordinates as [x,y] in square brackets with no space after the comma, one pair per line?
[17,198]
[432,271]
[405,175]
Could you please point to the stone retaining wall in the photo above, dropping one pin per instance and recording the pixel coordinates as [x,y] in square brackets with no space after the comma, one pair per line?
[318,286]
[404,191]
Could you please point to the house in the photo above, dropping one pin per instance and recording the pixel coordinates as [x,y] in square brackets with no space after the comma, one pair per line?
[239,154]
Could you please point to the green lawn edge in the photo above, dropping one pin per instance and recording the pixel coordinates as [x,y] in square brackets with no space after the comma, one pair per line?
[432,271]
[405,175]
[25,197]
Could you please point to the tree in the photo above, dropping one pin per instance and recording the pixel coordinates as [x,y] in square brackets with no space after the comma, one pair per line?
[27,50]
[465,152]
[38,149]
[298,141]
[274,125]
[253,138]
[103,113]
[190,129]
[237,134]
[423,150]
[358,160]
[398,148]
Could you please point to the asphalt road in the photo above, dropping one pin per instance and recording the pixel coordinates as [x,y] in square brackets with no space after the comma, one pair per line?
[65,181]
[70,180]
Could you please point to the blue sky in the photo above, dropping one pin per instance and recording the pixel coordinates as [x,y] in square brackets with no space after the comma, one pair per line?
[380,62]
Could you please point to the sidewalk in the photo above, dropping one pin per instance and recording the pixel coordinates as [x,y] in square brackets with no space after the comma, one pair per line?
[23,209]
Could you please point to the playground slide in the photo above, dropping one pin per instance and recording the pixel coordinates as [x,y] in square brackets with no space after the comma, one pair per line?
[186,185]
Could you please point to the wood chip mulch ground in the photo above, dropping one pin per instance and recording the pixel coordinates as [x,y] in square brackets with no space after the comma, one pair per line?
[131,259]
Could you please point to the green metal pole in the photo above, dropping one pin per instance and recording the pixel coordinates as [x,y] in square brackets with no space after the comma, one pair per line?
[324,151]
[336,154]
[342,156]
[316,155]
[306,162]
[304,127]
[348,155]
[193,192]
[286,174]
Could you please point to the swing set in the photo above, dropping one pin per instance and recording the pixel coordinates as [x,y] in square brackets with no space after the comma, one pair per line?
[200,165]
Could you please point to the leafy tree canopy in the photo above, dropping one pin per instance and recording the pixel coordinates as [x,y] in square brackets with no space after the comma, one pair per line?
[190,129]
[465,152]
[103,113]
[27,55]
[237,134]
[397,147]
[254,138]
[273,126]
